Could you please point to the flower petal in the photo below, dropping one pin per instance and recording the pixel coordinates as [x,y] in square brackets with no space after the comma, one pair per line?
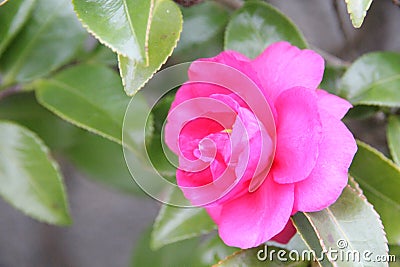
[332,104]
[286,234]
[298,135]
[282,66]
[256,217]
[329,177]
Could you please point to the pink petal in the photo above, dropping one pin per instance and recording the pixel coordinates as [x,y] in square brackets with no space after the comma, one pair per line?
[201,188]
[256,217]
[282,66]
[329,177]
[208,108]
[286,234]
[193,132]
[255,153]
[332,104]
[229,57]
[298,135]
[197,89]
[193,179]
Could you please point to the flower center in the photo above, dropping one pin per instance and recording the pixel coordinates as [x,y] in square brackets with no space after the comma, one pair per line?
[207,150]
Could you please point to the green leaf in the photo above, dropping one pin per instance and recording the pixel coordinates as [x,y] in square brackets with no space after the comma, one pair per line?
[120,24]
[175,223]
[29,178]
[310,237]
[393,137]
[88,96]
[213,249]
[361,112]
[257,25]
[154,146]
[102,55]
[331,79]
[350,225]
[260,256]
[182,253]
[202,34]
[394,256]
[25,110]
[165,29]
[379,178]
[373,79]
[51,37]
[358,10]
[194,252]
[102,161]
[12,17]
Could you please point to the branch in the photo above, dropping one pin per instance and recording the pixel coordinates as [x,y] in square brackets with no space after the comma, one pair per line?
[232,4]
[10,91]
[339,18]
[332,59]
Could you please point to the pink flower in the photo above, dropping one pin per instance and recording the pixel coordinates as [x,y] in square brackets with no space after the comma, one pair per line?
[257,141]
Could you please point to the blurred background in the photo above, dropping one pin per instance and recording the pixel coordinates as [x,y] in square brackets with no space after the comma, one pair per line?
[108,223]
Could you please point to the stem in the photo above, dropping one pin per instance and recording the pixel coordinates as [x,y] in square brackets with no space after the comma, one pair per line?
[10,91]
[339,18]
[232,4]
[332,59]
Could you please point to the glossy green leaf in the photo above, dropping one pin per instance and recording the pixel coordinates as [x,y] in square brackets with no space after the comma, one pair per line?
[88,96]
[51,37]
[393,138]
[373,79]
[350,225]
[261,256]
[29,178]
[155,144]
[103,161]
[257,25]
[182,253]
[165,29]
[203,32]
[361,112]
[102,55]
[174,224]
[358,10]
[379,178]
[213,250]
[331,79]
[394,256]
[120,24]
[310,237]
[12,17]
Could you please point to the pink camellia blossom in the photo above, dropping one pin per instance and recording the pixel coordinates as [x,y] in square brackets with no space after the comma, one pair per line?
[254,155]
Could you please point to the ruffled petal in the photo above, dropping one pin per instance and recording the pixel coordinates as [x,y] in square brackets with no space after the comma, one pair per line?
[256,217]
[282,66]
[286,234]
[329,177]
[332,104]
[298,135]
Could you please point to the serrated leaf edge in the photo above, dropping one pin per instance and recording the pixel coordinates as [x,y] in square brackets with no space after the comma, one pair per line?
[56,167]
[354,20]
[176,239]
[157,69]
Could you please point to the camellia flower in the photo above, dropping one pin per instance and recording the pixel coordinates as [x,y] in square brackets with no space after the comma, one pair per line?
[257,141]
